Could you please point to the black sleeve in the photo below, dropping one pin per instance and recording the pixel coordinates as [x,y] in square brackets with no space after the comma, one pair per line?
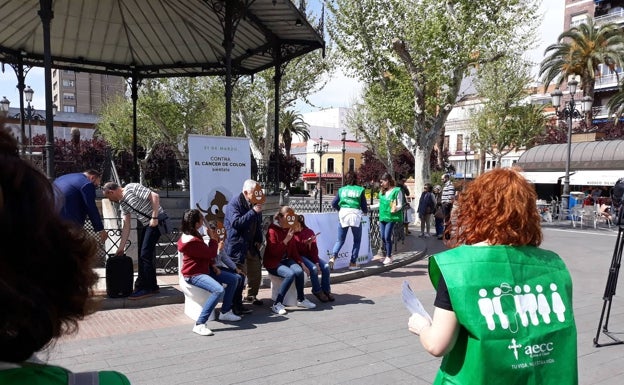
[442,299]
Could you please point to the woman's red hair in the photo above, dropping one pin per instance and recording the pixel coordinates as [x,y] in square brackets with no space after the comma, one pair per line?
[499,207]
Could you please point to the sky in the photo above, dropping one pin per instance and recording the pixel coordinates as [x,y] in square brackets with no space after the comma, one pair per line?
[341,91]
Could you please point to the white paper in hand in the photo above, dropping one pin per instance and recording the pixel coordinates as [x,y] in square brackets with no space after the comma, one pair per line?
[412,303]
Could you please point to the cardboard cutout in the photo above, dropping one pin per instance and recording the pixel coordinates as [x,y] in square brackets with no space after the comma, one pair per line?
[257,195]
[220,231]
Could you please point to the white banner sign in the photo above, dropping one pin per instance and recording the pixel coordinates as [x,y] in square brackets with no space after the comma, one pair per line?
[327,224]
[218,167]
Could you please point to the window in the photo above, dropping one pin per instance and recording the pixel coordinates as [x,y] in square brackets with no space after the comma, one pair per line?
[68,83]
[312,165]
[351,164]
[330,165]
[460,143]
[447,140]
[69,72]
[69,109]
[329,188]
[69,96]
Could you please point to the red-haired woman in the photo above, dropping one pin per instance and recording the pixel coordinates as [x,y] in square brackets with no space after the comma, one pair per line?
[503,308]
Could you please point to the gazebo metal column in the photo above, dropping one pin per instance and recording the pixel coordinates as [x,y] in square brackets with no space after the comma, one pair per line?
[47,15]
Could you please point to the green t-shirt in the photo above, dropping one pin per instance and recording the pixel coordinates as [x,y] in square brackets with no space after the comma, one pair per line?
[385,206]
[37,374]
[514,307]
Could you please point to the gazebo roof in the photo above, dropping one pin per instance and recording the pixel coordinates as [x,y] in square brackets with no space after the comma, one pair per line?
[155,38]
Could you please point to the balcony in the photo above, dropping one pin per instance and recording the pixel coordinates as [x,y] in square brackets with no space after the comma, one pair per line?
[606,81]
[615,16]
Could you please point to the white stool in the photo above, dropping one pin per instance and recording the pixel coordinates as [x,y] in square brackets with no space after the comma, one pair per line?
[194,297]
[290,299]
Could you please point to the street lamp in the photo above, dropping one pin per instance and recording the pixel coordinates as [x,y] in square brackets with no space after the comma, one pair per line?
[466,160]
[28,95]
[320,148]
[569,112]
[343,137]
[4,106]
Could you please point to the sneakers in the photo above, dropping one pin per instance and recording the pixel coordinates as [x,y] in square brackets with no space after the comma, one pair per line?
[321,296]
[422,235]
[278,308]
[427,235]
[387,261]
[306,303]
[140,294]
[229,316]
[202,330]
[353,266]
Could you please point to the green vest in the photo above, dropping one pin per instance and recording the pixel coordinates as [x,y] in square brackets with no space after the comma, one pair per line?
[36,374]
[514,305]
[385,205]
[350,196]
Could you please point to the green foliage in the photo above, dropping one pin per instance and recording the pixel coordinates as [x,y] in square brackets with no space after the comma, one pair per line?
[437,44]
[506,122]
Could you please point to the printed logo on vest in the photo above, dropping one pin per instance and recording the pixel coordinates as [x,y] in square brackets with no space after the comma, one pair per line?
[511,308]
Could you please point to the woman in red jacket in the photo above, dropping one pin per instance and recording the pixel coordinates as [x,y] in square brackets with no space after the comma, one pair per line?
[308,250]
[198,264]
[282,259]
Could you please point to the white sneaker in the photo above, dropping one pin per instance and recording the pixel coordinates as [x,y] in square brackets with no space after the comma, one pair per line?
[202,330]
[387,261]
[427,235]
[229,316]
[306,303]
[278,308]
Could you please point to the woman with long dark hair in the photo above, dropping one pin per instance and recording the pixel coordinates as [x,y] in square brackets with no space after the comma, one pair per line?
[390,206]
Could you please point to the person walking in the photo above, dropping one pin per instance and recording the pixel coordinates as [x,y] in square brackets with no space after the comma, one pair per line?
[390,213]
[136,199]
[406,205]
[243,224]
[438,215]
[350,201]
[426,207]
[503,307]
[448,197]
[76,194]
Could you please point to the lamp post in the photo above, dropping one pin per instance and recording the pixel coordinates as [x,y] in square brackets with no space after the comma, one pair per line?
[320,148]
[569,112]
[343,138]
[4,106]
[28,95]
[465,160]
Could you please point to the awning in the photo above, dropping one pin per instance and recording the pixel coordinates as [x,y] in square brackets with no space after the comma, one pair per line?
[596,177]
[546,177]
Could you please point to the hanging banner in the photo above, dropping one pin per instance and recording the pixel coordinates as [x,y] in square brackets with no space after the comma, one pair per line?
[327,224]
[218,167]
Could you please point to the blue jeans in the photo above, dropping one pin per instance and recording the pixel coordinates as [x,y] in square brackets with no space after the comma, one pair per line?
[206,282]
[385,230]
[232,280]
[439,225]
[324,284]
[146,277]
[342,235]
[290,271]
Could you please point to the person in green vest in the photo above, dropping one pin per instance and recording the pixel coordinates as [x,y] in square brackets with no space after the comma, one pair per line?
[46,275]
[390,212]
[503,308]
[350,201]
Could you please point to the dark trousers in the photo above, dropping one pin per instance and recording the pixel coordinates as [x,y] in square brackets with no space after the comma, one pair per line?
[146,279]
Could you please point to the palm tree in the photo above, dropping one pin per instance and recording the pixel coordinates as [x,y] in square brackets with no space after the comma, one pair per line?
[292,124]
[580,51]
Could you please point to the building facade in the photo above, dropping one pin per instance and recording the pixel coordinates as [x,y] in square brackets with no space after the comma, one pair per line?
[84,92]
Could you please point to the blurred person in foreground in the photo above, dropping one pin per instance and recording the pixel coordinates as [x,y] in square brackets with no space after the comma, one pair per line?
[503,308]
[46,279]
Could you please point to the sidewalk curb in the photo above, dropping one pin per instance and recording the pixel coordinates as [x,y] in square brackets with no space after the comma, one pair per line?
[170,294]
